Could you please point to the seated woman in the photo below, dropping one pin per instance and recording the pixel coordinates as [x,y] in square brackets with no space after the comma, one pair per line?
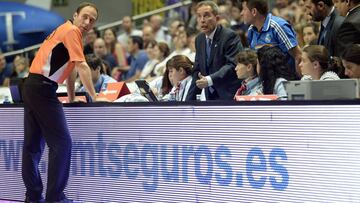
[316,64]
[246,71]
[351,60]
[114,47]
[99,79]
[273,70]
[180,74]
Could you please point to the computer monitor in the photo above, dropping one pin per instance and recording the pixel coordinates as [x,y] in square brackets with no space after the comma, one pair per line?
[322,89]
[145,90]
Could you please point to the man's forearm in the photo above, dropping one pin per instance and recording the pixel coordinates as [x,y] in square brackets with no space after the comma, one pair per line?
[70,86]
[85,77]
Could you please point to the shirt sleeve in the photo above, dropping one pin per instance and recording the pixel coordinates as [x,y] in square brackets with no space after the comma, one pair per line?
[286,36]
[73,43]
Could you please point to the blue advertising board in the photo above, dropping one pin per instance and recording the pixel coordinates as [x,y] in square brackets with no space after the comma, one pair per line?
[176,153]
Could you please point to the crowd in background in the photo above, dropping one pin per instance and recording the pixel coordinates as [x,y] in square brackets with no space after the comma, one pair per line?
[295,40]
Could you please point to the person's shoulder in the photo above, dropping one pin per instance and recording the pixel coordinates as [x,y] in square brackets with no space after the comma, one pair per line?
[68,28]
[278,20]
[107,78]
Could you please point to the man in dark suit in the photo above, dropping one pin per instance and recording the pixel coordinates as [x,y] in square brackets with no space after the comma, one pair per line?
[216,47]
[324,11]
[349,31]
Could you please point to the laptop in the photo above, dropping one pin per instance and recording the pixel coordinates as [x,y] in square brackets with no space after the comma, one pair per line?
[322,89]
[145,90]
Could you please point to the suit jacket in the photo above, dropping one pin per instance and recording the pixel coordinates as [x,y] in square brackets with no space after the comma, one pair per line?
[221,68]
[349,31]
[332,27]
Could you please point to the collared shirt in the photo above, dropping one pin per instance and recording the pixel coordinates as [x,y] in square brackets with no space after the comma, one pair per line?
[275,32]
[137,63]
[253,87]
[352,9]
[326,21]
[182,88]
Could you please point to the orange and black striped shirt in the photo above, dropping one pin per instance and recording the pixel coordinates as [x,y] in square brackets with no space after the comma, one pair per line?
[57,55]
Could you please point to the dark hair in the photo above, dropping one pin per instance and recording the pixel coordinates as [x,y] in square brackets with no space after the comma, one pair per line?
[166,84]
[85,4]
[180,61]
[151,43]
[112,45]
[352,54]
[326,2]
[93,61]
[247,57]
[261,6]
[273,65]
[137,40]
[355,1]
[96,31]
[213,5]
[320,54]
[164,48]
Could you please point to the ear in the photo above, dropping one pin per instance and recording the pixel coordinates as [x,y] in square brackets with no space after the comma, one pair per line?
[254,11]
[217,17]
[316,64]
[249,67]
[321,5]
[75,15]
[347,3]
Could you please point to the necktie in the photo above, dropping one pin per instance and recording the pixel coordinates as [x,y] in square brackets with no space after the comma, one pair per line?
[208,50]
[322,35]
[241,90]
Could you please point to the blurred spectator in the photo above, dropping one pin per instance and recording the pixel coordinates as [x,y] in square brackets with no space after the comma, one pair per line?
[161,32]
[162,52]
[137,60]
[180,70]
[20,67]
[129,30]
[280,8]
[114,47]
[316,64]
[216,47]
[273,70]
[90,37]
[324,11]
[162,85]
[99,79]
[173,28]
[237,23]
[267,29]
[349,30]
[310,33]
[5,70]
[148,35]
[246,71]
[101,52]
[351,60]
[180,43]
[191,34]
[341,7]
[150,64]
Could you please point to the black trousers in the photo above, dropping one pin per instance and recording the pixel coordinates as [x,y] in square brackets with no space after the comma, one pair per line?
[44,121]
